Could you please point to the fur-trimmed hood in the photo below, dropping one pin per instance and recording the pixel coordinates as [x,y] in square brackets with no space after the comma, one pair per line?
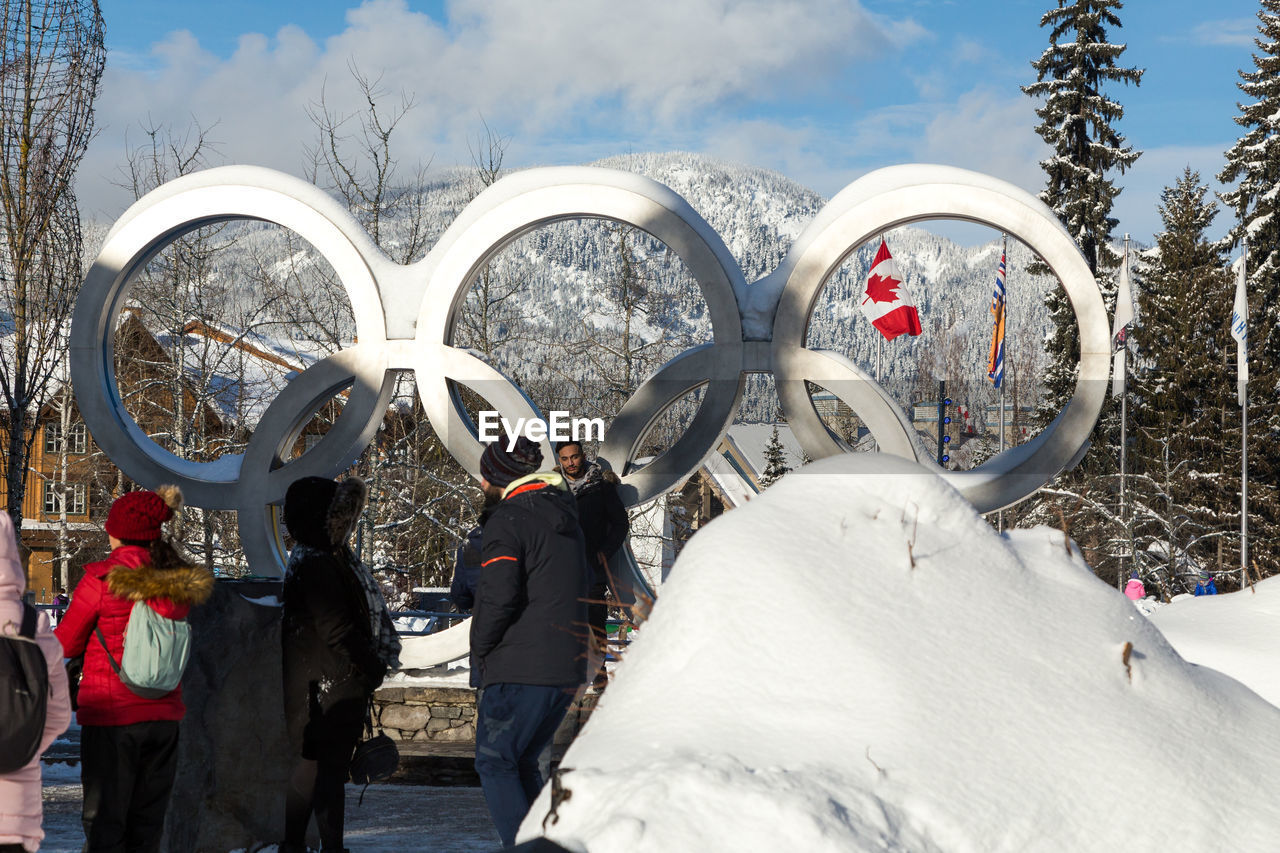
[344,511]
[321,513]
[592,478]
[189,585]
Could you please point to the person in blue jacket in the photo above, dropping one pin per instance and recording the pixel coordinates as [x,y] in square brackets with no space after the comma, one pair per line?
[466,576]
[466,567]
[1206,586]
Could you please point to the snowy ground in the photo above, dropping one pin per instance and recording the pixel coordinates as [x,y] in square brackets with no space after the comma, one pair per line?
[393,819]
[1238,634]
[920,683]
[856,661]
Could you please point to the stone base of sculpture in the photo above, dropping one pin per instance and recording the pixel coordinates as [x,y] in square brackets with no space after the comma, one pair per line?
[233,759]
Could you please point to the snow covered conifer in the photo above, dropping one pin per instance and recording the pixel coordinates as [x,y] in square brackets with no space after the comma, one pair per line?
[1184,466]
[775,461]
[1077,120]
[1253,165]
[1253,162]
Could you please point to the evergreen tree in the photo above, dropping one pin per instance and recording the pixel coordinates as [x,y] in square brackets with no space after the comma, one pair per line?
[1077,120]
[1253,165]
[1183,493]
[775,461]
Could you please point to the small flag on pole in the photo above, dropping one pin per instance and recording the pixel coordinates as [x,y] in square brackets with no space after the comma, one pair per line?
[886,302]
[1240,330]
[1120,326]
[995,362]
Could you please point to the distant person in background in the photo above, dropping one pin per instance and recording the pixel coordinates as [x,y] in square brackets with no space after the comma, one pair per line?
[128,742]
[60,602]
[21,809]
[466,562]
[338,642]
[466,575]
[1206,586]
[604,528]
[466,571]
[1135,588]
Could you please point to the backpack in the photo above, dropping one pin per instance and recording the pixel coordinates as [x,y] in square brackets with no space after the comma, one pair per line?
[24,694]
[156,649]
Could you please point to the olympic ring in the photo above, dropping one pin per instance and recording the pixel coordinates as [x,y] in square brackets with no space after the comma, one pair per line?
[405,316]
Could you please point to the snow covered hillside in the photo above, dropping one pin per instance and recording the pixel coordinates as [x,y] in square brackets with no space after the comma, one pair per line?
[562,270]
[857,661]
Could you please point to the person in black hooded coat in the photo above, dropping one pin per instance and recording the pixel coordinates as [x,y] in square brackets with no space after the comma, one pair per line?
[337,642]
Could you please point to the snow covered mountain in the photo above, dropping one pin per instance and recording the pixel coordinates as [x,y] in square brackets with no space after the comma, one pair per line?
[564,277]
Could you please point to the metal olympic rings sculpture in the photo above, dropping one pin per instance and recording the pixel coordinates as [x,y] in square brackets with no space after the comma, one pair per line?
[405,316]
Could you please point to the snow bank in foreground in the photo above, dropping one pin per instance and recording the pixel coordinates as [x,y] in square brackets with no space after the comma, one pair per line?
[1235,634]
[856,661]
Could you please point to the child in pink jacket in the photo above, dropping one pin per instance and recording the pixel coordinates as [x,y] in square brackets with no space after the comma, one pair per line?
[21,811]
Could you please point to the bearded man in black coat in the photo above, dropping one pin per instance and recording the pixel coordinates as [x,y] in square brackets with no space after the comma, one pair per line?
[604,527]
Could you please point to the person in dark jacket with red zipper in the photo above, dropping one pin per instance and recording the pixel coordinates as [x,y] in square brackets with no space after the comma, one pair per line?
[528,625]
[128,744]
[338,642]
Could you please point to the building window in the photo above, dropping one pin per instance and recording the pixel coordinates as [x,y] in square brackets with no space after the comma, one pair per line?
[78,435]
[53,498]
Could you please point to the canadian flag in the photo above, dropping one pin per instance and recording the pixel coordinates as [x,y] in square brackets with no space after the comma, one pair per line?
[886,302]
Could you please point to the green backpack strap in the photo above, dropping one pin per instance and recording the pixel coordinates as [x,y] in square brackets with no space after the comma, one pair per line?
[101,639]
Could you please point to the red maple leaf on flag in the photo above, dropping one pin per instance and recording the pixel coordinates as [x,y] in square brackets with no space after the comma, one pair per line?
[881,289]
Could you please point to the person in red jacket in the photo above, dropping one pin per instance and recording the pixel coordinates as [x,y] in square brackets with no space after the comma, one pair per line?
[128,744]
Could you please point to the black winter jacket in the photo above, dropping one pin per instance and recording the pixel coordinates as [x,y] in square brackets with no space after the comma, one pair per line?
[329,651]
[603,518]
[529,623]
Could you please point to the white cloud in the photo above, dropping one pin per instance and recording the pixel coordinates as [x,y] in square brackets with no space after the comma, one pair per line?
[555,69]
[969,50]
[1235,32]
[979,130]
[801,152]
[988,133]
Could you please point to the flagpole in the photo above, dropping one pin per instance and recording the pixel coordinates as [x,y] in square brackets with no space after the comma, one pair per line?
[1124,442]
[879,340]
[1244,444]
[1004,253]
[1244,490]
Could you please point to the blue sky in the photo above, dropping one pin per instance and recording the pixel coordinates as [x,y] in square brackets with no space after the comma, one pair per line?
[822,91]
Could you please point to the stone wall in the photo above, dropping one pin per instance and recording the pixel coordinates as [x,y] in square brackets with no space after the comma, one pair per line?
[447,715]
[426,714]
[233,754]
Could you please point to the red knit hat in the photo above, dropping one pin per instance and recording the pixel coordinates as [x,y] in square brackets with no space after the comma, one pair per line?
[137,516]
